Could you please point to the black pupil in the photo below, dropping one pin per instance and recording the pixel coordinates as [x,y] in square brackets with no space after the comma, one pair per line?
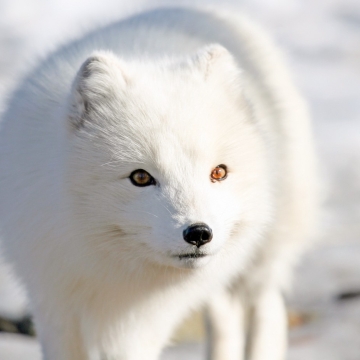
[142,177]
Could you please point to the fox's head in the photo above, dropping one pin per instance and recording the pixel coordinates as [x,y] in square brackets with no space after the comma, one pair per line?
[166,163]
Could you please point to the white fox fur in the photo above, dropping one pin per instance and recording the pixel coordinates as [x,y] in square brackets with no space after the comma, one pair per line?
[175,92]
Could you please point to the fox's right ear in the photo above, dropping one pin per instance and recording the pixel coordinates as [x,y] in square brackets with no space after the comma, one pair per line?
[97,81]
[216,61]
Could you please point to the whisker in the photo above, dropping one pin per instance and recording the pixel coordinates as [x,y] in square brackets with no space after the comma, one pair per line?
[142,211]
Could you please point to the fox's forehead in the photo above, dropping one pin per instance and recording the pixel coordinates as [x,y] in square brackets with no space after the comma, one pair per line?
[178,124]
[184,124]
[190,109]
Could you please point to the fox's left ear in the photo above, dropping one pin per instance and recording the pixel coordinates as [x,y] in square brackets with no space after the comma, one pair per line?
[98,79]
[216,61]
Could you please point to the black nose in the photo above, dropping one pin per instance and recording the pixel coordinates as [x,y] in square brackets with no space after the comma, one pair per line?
[198,234]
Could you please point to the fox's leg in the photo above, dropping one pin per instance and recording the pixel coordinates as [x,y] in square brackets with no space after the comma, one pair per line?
[61,340]
[226,327]
[268,339]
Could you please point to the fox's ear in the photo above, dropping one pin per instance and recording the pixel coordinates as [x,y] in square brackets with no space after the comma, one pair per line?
[97,80]
[214,60]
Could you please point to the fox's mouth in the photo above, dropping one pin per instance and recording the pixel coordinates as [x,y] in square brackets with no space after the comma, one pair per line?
[191,255]
[191,260]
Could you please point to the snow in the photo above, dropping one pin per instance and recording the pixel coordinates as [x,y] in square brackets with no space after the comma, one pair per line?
[322,42]
[18,347]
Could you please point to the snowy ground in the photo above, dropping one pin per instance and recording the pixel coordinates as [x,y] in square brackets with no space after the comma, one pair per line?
[322,39]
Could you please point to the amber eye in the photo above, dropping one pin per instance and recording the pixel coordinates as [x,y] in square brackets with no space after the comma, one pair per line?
[141,177]
[219,173]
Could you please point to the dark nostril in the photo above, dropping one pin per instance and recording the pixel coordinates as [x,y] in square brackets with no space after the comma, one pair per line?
[198,234]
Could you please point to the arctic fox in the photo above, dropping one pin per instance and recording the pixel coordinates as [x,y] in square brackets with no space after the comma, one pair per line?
[153,166]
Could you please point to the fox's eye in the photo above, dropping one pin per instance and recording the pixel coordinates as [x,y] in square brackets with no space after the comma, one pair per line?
[141,177]
[219,173]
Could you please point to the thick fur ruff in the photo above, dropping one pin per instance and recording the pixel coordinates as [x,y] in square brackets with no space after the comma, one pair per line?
[175,92]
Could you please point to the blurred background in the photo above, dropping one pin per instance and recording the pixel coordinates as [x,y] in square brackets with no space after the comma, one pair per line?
[321,39]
